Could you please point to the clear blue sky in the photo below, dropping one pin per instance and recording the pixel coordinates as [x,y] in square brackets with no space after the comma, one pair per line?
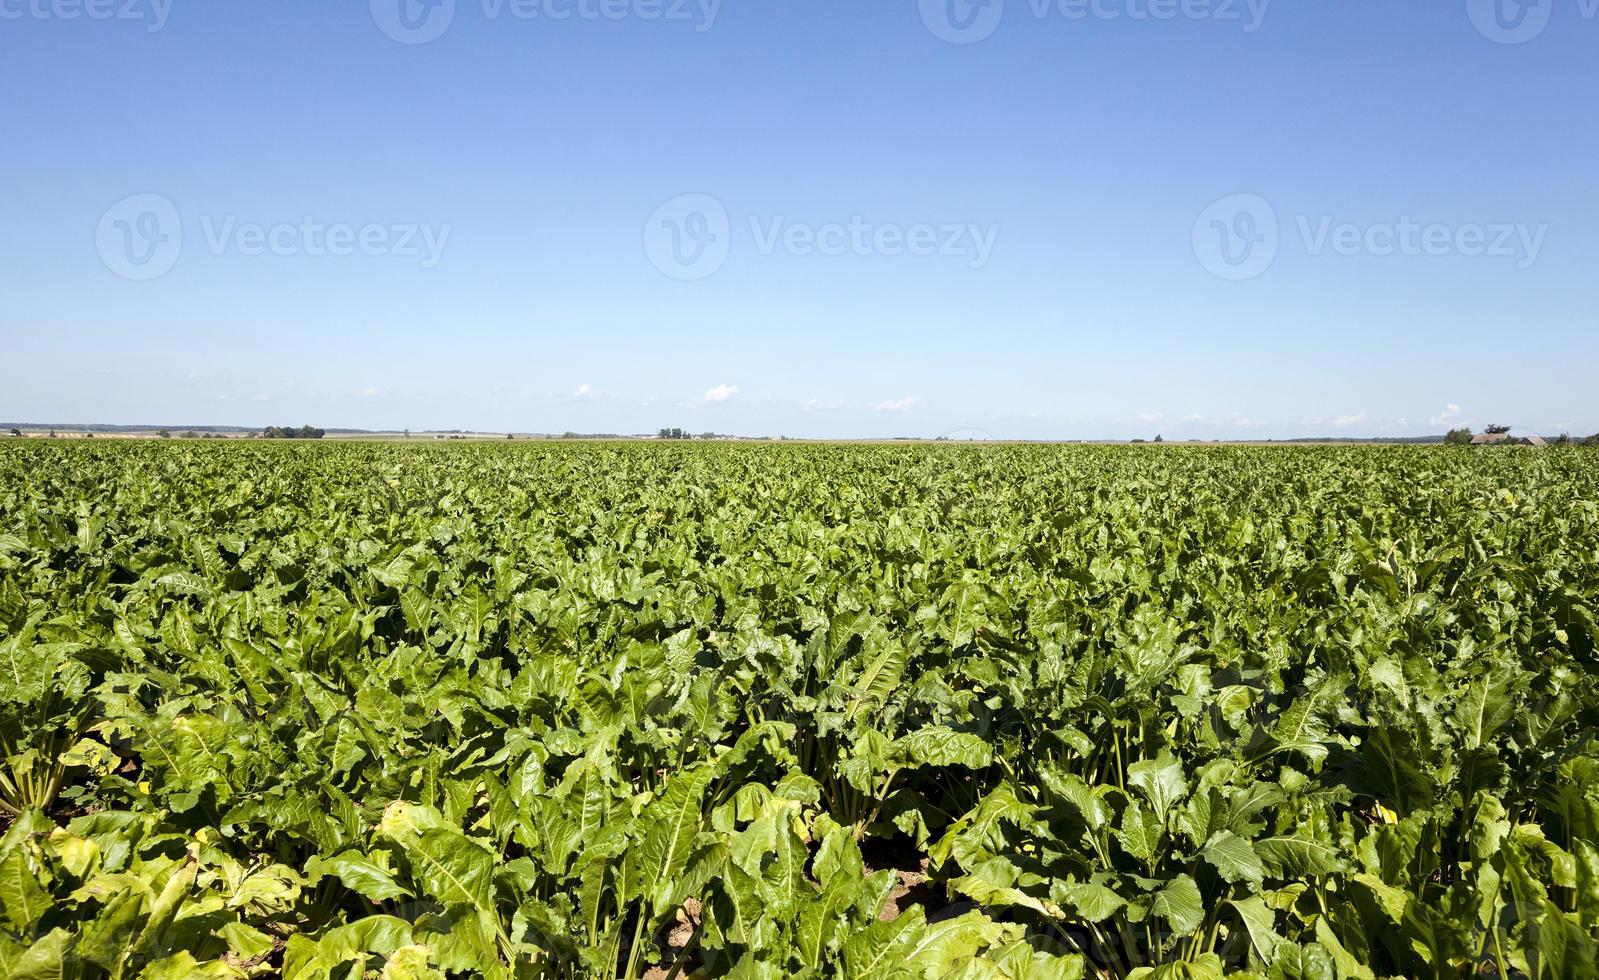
[537,152]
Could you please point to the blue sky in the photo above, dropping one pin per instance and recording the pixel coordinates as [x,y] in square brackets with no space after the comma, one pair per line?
[812,219]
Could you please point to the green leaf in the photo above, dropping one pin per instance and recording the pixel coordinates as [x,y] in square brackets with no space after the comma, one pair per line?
[1162,783]
[1233,858]
[1180,904]
[880,951]
[49,958]
[454,869]
[670,824]
[945,947]
[380,934]
[839,858]
[23,900]
[1092,902]
[367,876]
[164,910]
[1260,922]
[245,941]
[940,746]
[1140,832]
[879,680]
[1297,857]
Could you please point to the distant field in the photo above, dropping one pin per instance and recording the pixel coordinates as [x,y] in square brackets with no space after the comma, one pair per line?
[554,709]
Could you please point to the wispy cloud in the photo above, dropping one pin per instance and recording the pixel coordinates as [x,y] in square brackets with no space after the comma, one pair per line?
[370,392]
[1448,415]
[1224,421]
[1345,421]
[583,393]
[821,405]
[901,405]
[719,394]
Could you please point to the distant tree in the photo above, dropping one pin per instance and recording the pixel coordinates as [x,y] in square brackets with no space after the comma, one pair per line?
[164,434]
[303,432]
[191,434]
[1591,441]
[16,432]
[52,433]
[88,435]
[1497,430]
[1160,438]
[1564,439]
[509,436]
[1140,442]
[1458,437]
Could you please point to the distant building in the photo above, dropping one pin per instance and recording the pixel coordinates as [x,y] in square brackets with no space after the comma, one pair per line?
[1506,439]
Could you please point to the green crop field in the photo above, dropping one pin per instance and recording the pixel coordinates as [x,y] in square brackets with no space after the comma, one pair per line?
[767,711]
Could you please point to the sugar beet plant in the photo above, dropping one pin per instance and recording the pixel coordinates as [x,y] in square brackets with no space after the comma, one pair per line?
[620,710]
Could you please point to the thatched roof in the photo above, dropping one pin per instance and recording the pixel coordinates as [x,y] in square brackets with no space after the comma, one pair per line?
[1506,439]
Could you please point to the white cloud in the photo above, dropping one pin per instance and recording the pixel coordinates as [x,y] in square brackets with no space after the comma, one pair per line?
[1345,421]
[369,392]
[1448,415]
[583,393]
[720,393]
[902,405]
[821,405]
[1224,421]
